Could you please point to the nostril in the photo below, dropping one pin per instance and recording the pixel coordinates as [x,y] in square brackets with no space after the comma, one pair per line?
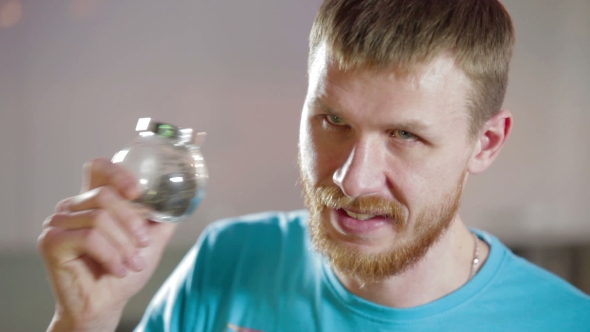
[363,173]
[339,178]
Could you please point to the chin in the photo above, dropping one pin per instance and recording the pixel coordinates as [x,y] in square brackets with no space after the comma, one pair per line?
[372,257]
[329,232]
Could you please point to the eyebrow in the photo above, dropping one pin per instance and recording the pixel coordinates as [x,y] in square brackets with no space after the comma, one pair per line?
[317,103]
[411,125]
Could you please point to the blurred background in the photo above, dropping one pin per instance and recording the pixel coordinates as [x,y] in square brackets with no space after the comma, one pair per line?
[75,75]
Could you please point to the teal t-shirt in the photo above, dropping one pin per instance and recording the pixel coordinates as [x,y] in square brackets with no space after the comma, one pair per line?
[260,273]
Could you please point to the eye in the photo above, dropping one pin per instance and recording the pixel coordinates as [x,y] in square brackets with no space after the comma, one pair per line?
[335,120]
[404,135]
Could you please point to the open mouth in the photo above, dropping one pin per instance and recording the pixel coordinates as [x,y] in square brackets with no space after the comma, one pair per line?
[359,223]
[359,216]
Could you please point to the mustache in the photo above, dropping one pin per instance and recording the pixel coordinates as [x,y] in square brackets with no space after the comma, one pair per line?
[334,198]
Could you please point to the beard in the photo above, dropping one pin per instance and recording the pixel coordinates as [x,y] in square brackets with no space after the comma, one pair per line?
[412,240]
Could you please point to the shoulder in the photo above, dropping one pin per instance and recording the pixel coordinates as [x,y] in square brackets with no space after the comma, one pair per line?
[259,229]
[260,221]
[255,240]
[545,284]
[525,287]
[233,259]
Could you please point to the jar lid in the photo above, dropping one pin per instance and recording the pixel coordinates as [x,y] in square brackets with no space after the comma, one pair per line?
[166,130]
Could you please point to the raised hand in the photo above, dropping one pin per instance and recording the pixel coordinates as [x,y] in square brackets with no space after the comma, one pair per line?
[98,250]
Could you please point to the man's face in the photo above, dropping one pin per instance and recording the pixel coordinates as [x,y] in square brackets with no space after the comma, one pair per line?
[383,162]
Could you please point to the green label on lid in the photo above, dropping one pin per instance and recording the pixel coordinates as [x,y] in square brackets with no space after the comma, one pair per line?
[165,130]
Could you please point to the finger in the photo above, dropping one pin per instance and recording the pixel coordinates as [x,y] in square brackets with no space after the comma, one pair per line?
[63,205]
[102,172]
[161,232]
[106,226]
[106,198]
[60,247]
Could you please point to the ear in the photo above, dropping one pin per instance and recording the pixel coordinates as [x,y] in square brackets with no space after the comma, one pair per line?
[493,135]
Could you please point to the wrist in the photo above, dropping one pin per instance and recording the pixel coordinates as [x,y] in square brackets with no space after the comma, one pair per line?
[60,323]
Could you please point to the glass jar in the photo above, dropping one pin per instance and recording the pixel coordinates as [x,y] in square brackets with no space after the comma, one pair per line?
[169,167]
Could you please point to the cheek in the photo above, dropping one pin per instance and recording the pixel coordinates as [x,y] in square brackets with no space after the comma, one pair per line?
[318,158]
[307,152]
[425,183]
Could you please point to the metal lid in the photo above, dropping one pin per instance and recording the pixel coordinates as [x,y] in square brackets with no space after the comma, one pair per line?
[166,130]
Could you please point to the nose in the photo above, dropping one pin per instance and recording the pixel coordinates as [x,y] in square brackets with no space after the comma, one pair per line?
[363,172]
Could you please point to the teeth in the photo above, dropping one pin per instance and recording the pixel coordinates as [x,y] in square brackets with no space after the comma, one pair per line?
[359,216]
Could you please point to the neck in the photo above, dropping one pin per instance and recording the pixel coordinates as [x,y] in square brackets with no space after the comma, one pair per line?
[445,268]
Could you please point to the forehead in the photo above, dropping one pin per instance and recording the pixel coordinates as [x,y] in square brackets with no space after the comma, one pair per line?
[436,88]
[441,69]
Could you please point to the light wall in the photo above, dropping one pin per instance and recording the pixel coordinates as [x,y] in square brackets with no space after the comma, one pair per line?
[76,75]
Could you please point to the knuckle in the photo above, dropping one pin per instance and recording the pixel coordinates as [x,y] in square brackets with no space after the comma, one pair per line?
[94,242]
[52,220]
[47,240]
[97,247]
[89,236]
[129,218]
[98,217]
[110,257]
[104,196]
[63,205]
[127,252]
[123,240]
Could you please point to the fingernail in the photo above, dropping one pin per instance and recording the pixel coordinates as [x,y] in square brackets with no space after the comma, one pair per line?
[137,262]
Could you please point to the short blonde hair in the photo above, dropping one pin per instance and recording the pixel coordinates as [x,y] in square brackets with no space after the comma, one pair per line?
[403,34]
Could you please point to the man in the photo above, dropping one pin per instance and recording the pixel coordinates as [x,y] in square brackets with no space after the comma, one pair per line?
[404,102]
